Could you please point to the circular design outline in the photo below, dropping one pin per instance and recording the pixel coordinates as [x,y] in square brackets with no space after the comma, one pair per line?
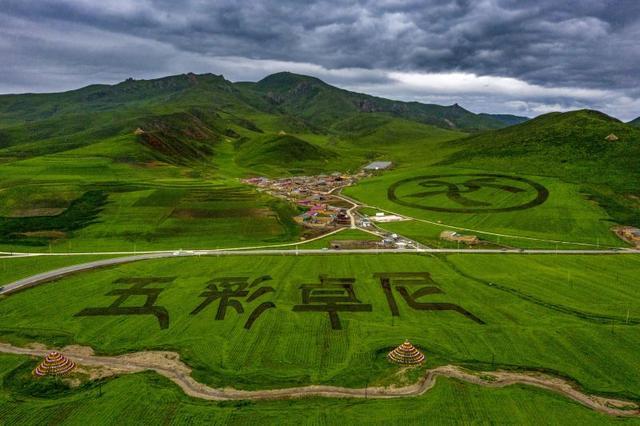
[542,194]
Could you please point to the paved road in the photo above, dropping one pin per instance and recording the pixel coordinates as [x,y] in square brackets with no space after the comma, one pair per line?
[68,270]
[281,249]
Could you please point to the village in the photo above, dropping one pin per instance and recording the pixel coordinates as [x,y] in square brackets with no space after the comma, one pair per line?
[325,210]
[313,194]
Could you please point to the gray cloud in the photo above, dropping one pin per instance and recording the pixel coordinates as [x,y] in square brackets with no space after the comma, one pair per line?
[546,44]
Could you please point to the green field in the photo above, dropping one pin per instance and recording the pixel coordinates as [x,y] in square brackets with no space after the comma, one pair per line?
[158,165]
[146,165]
[544,317]
[566,215]
[150,398]
[134,211]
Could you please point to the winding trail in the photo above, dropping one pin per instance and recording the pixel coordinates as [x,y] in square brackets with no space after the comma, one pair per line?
[169,365]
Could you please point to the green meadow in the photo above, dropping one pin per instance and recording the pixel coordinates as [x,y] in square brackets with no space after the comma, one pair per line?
[149,398]
[566,215]
[158,165]
[572,316]
[131,210]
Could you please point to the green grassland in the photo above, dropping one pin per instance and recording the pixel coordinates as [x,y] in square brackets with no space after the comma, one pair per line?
[566,215]
[156,165]
[569,146]
[152,399]
[572,316]
[559,151]
[128,167]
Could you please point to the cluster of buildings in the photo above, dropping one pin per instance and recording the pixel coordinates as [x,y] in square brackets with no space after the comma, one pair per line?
[322,211]
[313,195]
[302,187]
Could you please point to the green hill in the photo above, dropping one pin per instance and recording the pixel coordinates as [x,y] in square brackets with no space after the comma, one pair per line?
[322,104]
[564,137]
[635,123]
[181,119]
[281,150]
[379,131]
[176,113]
[506,119]
[572,146]
[174,149]
[180,137]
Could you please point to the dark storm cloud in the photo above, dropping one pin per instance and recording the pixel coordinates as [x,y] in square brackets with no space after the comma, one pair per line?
[547,44]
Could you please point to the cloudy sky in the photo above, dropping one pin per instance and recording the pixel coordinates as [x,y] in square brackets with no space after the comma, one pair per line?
[514,56]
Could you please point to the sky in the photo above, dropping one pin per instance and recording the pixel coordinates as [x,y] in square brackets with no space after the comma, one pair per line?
[524,57]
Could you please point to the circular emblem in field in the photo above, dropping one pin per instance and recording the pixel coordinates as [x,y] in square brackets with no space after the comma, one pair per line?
[468,193]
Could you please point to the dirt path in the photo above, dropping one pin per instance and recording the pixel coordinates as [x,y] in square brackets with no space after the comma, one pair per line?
[168,364]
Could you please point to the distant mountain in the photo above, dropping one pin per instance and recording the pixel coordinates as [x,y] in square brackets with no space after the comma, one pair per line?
[573,146]
[322,104]
[183,118]
[635,123]
[506,119]
[173,116]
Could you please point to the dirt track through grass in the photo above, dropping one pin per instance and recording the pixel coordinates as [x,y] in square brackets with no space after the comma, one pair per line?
[169,365]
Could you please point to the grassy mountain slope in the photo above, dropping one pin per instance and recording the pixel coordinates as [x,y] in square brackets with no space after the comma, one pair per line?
[366,129]
[506,119]
[571,146]
[177,114]
[322,104]
[282,150]
[181,119]
[194,133]
[635,123]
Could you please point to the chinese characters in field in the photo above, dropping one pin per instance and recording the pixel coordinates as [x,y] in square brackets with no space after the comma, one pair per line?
[330,295]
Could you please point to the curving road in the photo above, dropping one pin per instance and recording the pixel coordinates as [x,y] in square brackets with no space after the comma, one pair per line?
[68,270]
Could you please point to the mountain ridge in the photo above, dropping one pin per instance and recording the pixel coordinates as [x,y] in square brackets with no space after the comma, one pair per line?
[275,89]
[182,119]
